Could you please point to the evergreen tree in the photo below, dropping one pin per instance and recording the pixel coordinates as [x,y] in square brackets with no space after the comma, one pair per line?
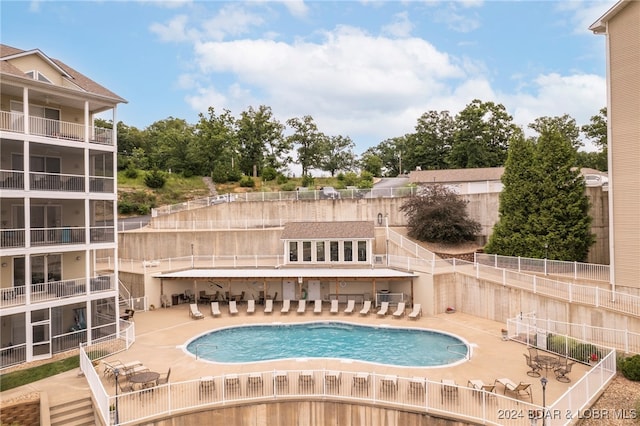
[544,211]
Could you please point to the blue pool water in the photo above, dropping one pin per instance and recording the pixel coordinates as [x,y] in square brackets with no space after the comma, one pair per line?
[382,345]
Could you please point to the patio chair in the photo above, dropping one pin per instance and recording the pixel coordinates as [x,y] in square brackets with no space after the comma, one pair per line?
[194,312]
[479,385]
[366,307]
[416,312]
[448,390]
[351,304]
[334,306]
[384,307]
[251,306]
[255,386]
[302,306]
[215,309]
[286,305]
[165,301]
[534,366]
[563,370]
[317,307]
[233,309]
[305,382]
[204,297]
[163,380]
[389,385]
[126,387]
[519,390]
[268,306]
[533,353]
[399,312]
[332,381]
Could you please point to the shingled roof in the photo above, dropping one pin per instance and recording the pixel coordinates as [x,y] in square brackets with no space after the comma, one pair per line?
[456,175]
[328,230]
[79,79]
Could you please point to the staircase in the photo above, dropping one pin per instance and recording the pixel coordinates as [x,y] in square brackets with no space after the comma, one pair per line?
[73,413]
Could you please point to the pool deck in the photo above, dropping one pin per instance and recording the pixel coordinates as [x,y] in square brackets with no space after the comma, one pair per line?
[160,335]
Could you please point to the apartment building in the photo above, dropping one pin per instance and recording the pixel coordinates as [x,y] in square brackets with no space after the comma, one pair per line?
[58,207]
[621,27]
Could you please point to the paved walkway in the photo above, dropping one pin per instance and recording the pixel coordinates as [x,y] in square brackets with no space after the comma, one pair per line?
[160,335]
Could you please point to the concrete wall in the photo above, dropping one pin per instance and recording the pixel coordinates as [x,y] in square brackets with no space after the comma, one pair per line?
[308,413]
[481,207]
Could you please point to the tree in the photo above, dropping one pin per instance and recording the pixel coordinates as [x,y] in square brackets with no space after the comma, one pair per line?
[596,132]
[371,163]
[439,215]
[337,155]
[565,125]
[171,139]
[310,142]
[545,211]
[261,141]
[215,145]
[429,147]
[481,136]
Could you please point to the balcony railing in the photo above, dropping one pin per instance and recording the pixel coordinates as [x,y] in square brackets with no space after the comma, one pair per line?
[11,238]
[101,184]
[102,234]
[42,292]
[14,122]
[58,235]
[11,179]
[56,182]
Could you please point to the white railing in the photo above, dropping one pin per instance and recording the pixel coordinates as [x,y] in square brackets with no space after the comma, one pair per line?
[101,184]
[391,391]
[11,179]
[39,181]
[623,340]
[12,238]
[13,355]
[284,196]
[218,224]
[58,235]
[14,121]
[102,234]
[409,246]
[575,270]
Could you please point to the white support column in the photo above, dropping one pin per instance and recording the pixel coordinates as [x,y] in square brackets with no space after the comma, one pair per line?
[25,110]
[88,125]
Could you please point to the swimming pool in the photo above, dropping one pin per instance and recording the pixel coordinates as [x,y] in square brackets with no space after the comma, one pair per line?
[407,347]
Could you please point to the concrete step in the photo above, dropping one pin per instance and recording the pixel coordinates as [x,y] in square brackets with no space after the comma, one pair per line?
[73,413]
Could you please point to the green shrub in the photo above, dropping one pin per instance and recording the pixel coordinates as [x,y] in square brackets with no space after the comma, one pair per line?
[234,175]
[282,179]
[351,179]
[289,186]
[630,367]
[340,176]
[155,179]
[187,173]
[269,173]
[219,175]
[365,184]
[247,182]
[131,172]
[366,176]
[308,181]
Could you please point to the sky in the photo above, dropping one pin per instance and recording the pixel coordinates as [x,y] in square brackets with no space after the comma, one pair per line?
[363,69]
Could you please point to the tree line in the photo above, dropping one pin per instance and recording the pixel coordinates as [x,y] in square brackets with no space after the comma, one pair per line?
[256,144]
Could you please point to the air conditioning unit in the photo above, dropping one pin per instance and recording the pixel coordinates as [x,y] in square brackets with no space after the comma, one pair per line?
[378,259]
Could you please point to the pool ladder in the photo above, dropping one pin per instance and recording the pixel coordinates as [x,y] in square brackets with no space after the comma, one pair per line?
[205,345]
[465,355]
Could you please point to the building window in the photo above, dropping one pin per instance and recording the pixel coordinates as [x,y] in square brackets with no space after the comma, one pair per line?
[306,251]
[362,251]
[333,249]
[320,251]
[37,75]
[293,251]
[348,251]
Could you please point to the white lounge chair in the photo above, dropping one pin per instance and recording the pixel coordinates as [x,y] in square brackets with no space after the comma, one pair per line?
[334,306]
[251,306]
[286,305]
[399,313]
[268,306]
[233,309]
[215,309]
[366,307]
[417,311]
[302,306]
[317,307]
[384,307]
[351,305]
[194,312]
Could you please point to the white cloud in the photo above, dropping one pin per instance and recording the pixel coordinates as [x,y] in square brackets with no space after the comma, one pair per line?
[231,20]
[583,13]
[401,26]
[296,7]
[174,31]
[455,20]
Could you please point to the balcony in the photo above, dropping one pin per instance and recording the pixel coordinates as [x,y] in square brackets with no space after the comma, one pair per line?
[13,179]
[58,236]
[11,238]
[14,122]
[42,292]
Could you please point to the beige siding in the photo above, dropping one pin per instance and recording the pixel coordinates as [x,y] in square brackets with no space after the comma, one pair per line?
[624,57]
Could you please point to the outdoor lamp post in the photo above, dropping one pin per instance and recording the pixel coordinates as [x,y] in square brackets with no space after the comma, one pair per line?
[116,372]
[544,381]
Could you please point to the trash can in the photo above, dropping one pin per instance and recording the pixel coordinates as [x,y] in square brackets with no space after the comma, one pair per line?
[174,299]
